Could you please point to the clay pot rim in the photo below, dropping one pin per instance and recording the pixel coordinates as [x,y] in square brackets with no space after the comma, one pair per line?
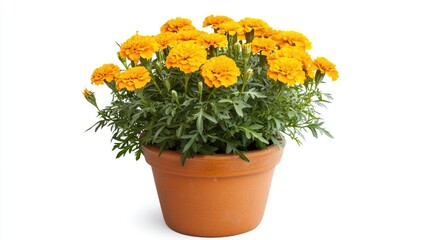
[217,165]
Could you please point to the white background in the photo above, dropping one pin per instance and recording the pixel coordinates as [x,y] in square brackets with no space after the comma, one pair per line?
[370,182]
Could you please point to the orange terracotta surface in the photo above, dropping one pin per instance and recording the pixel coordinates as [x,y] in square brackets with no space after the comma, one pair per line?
[213,195]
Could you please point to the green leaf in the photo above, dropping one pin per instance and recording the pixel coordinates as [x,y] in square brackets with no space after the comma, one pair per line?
[256,126]
[229,148]
[138,154]
[179,131]
[189,143]
[200,125]
[239,105]
[313,131]
[135,117]
[209,117]
[254,134]
[158,132]
[225,101]
[254,94]
[242,156]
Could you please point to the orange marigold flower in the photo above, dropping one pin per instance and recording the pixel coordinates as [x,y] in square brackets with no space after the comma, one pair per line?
[264,45]
[212,39]
[258,25]
[166,39]
[133,78]
[177,24]
[214,21]
[266,32]
[292,39]
[107,72]
[231,28]
[139,46]
[187,56]
[298,54]
[286,70]
[220,71]
[188,35]
[325,66]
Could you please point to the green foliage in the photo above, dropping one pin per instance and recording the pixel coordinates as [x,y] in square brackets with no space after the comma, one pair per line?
[179,112]
[245,116]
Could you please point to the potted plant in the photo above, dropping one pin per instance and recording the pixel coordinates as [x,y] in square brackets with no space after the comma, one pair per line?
[211,113]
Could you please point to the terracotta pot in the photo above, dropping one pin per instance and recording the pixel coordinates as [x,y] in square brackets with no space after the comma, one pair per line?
[213,195]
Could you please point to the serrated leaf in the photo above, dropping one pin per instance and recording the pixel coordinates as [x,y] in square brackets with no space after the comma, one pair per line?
[239,105]
[254,94]
[238,110]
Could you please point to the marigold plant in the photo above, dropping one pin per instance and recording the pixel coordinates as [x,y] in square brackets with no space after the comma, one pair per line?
[241,87]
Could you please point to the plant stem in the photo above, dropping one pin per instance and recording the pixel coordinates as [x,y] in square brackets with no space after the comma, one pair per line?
[187,77]
[213,90]
[281,89]
[156,85]
[242,86]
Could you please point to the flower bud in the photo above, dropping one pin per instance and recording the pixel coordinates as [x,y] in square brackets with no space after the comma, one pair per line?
[247,50]
[158,66]
[200,90]
[248,74]
[90,97]
[160,56]
[123,60]
[236,49]
[87,94]
[175,97]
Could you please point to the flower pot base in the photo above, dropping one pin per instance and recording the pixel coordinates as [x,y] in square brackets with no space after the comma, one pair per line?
[212,196]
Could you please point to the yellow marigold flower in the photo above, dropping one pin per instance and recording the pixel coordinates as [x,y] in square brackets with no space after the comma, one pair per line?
[177,24]
[139,46]
[166,39]
[188,35]
[264,45]
[258,25]
[107,72]
[298,54]
[286,70]
[214,21]
[220,71]
[133,78]
[187,56]
[325,66]
[231,28]
[212,39]
[292,39]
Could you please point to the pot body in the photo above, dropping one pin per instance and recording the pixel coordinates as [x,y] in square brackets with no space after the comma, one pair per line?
[213,195]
